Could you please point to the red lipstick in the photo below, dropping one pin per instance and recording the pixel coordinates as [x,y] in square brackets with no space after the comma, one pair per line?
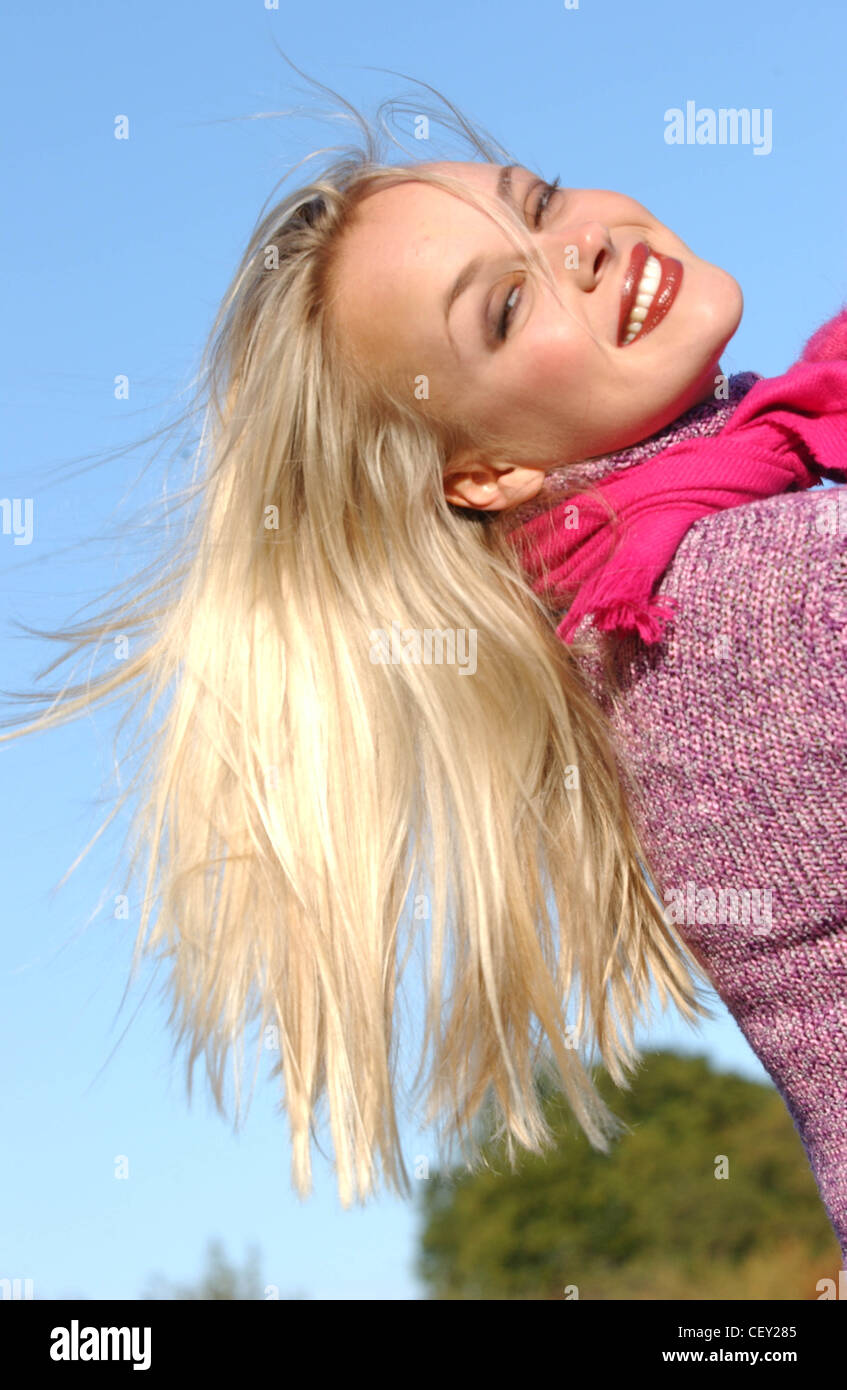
[669,283]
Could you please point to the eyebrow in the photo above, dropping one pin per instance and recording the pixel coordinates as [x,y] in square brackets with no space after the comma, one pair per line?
[469,272]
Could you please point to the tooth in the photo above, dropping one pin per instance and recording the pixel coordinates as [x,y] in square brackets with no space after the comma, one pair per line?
[651,276]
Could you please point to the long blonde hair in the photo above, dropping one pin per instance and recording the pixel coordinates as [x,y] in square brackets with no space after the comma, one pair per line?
[299,787]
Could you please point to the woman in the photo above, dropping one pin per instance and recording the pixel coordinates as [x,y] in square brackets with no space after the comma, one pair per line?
[382,387]
[736,764]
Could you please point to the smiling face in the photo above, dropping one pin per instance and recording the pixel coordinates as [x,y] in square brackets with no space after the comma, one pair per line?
[544,378]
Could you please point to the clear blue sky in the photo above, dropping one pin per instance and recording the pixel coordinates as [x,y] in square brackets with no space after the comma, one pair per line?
[115,255]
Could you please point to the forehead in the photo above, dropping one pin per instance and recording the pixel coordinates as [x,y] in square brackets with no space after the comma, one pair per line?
[396,254]
[409,200]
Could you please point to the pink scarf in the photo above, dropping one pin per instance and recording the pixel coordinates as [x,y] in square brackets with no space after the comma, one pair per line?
[786,433]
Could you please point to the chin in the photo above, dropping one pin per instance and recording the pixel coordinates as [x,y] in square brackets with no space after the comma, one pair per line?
[721,320]
[721,309]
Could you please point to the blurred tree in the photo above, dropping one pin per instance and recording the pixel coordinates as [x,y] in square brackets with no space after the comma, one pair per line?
[649,1220]
[221,1281]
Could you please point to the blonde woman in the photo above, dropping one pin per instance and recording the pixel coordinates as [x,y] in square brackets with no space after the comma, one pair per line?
[409,357]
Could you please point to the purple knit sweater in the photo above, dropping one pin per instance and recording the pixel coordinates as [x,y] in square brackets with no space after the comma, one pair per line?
[732,735]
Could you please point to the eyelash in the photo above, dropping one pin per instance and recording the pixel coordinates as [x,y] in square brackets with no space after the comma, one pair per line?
[547,192]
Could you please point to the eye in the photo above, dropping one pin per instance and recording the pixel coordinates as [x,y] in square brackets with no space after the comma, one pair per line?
[510,303]
[547,192]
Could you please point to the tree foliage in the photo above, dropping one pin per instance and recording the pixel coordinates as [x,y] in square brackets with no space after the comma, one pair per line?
[651,1219]
[222,1280]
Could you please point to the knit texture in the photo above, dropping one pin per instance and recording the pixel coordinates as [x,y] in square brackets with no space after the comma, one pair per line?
[731,734]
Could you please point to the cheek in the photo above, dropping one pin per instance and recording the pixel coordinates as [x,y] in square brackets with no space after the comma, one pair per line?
[557,358]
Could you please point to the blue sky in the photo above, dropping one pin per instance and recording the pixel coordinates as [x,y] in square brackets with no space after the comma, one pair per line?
[115,256]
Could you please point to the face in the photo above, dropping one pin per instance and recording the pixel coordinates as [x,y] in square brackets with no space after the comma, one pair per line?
[551,376]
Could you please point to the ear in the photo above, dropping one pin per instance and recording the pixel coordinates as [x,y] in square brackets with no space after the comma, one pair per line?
[473,481]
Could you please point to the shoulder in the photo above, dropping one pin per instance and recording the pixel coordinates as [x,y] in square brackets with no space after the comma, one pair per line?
[759,638]
[754,663]
[781,560]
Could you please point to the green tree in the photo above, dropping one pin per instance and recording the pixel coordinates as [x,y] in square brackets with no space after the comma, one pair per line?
[222,1280]
[651,1219]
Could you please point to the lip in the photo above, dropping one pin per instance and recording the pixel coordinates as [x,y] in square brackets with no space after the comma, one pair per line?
[668,287]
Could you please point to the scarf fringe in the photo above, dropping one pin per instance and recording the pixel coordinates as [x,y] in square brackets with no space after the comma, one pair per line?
[648,618]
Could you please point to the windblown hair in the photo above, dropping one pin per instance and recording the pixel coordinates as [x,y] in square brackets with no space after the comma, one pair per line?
[305,808]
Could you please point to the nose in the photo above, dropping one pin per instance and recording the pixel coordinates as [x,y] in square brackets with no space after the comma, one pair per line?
[579,252]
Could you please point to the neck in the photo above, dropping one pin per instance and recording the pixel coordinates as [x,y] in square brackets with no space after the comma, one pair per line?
[707,418]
